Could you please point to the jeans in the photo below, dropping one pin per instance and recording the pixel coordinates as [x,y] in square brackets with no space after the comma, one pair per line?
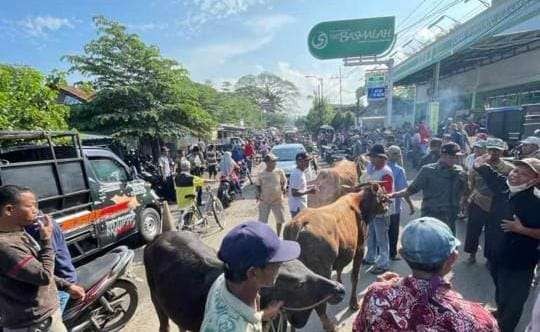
[393,233]
[512,288]
[378,243]
[63,298]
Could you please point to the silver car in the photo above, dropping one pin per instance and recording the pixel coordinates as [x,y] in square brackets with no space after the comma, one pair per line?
[286,154]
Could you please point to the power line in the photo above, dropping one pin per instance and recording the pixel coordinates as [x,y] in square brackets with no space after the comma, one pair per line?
[411,13]
[431,13]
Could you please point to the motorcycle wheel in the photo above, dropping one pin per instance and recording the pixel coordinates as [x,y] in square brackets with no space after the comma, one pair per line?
[116,296]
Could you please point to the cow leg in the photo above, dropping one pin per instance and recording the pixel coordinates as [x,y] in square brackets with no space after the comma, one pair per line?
[357,261]
[328,324]
[338,275]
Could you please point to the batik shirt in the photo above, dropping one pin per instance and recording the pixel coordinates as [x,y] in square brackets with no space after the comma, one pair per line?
[411,304]
[224,312]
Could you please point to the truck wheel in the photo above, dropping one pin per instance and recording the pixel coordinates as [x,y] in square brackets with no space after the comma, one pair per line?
[149,224]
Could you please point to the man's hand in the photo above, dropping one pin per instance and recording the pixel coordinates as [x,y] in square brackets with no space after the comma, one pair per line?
[482,160]
[387,276]
[514,226]
[46,229]
[272,310]
[76,292]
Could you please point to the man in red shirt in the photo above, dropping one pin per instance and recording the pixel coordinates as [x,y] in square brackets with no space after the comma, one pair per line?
[249,152]
[378,253]
[423,301]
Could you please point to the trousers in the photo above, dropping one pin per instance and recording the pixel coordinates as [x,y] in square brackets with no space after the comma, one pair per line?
[512,288]
[477,221]
[378,244]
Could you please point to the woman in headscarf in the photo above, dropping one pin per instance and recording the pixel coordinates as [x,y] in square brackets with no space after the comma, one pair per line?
[227,168]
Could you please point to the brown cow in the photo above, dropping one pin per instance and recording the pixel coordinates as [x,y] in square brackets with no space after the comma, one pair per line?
[333,235]
[332,183]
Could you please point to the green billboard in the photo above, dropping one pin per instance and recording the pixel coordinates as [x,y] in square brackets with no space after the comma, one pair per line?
[351,38]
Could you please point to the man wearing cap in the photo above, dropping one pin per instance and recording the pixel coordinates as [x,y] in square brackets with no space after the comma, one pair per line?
[378,245]
[443,184]
[513,255]
[481,197]
[271,184]
[298,187]
[252,254]
[434,152]
[423,301]
[478,149]
[530,148]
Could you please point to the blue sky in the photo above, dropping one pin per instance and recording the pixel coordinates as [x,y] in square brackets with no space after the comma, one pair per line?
[215,40]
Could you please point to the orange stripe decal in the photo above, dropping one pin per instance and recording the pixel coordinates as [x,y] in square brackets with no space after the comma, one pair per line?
[81,221]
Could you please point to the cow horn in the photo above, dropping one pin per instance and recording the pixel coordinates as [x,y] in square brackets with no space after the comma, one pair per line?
[167,219]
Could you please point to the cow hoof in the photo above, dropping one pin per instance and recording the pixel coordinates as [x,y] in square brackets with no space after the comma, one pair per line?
[353,305]
[329,325]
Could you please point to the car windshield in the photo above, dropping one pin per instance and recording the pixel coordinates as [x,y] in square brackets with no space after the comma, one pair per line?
[286,154]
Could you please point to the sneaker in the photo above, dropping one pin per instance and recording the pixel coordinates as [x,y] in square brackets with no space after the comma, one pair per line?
[366,262]
[395,258]
[377,270]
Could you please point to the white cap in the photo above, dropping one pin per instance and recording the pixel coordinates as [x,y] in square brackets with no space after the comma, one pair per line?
[532,140]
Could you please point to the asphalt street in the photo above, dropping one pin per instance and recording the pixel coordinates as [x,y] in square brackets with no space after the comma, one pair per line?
[472,281]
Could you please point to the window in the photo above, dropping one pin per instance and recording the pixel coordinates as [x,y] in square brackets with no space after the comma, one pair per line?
[108,170]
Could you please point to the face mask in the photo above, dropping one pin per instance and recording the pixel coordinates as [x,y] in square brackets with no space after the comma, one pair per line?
[516,189]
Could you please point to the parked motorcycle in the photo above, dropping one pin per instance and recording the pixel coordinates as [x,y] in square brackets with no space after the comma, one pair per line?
[110,300]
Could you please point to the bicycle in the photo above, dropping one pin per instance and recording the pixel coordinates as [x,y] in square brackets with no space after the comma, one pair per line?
[195,218]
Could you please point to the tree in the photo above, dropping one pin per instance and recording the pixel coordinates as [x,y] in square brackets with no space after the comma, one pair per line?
[269,91]
[27,103]
[321,113]
[139,93]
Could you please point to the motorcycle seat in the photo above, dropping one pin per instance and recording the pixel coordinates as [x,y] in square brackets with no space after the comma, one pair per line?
[89,274]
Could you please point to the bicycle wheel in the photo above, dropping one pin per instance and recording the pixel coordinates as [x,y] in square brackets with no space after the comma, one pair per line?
[219,212]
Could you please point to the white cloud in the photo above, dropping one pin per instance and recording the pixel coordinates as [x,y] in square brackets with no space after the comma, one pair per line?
[218,54]
[41,25]
[147,26]
[270,22]
[206,10]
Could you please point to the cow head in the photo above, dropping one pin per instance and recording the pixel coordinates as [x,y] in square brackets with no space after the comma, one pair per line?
[374,200]
[299,287]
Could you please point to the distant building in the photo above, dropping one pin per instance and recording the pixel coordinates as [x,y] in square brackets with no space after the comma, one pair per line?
[71,95]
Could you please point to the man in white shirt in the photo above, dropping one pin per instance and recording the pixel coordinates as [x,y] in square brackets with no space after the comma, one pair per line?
[298,188]
[164,162]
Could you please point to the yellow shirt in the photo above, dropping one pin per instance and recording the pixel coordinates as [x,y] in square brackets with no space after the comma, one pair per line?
[186,184]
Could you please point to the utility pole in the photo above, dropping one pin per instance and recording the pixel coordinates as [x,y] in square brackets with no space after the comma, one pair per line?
[340,100]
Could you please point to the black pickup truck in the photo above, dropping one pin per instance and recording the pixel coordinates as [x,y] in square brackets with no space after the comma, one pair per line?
[92,194]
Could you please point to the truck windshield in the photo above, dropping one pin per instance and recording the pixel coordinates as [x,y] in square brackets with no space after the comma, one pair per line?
[108,170]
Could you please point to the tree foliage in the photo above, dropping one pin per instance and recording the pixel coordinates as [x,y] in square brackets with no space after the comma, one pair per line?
[271,92]
[321,113]
[27,102]
[139,92]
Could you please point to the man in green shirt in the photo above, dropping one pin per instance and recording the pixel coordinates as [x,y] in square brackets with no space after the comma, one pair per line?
[442,184]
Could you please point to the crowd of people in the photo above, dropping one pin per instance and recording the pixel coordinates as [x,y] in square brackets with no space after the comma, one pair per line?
[460,176]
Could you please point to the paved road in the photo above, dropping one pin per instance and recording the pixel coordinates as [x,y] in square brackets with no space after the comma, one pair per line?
[473,281]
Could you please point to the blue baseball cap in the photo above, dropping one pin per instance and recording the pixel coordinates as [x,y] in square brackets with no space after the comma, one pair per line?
[255,244]
[427,240]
